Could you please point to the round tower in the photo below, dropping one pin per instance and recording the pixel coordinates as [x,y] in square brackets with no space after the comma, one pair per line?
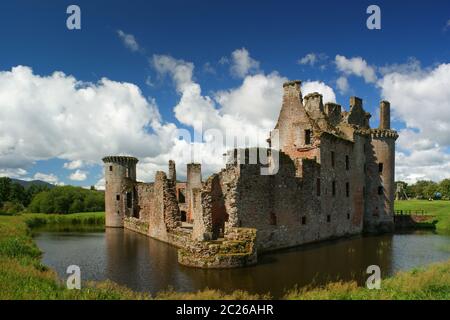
[118,170]
[381,158]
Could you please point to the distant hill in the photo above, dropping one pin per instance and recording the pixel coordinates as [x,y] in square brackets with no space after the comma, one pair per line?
[27,184]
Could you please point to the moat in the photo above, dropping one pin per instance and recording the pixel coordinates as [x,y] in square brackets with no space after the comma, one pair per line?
[145,264]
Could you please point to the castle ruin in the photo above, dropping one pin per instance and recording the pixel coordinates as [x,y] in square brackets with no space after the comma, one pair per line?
[335,178]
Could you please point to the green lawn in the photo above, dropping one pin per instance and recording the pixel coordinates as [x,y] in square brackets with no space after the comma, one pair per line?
[438,208]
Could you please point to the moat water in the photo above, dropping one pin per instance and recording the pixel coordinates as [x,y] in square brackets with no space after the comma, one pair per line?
[145,264]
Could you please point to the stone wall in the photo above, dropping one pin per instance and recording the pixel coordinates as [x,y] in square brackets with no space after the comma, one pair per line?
[236,250]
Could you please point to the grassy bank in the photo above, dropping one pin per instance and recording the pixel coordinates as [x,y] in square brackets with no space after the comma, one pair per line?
[438,208]
[22,276]
[429,283]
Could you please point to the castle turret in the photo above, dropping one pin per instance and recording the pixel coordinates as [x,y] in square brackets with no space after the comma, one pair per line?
[380,157]
[118,170]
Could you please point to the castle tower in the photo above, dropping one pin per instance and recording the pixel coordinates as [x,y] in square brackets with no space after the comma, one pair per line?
[118,170]
[379,215]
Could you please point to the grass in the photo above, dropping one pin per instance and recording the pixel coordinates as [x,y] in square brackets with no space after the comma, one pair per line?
[22,276]
[438,208]
[429,283]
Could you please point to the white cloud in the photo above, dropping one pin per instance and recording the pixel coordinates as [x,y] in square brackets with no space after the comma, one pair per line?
[78,175]
[310,58]
[242,64]
[58,116]
[342,85]
[128,40]
[100,185]
[356,66]
[421,99]
[320,87]
[447,26]
[16,173]
[50,178]
[76,164]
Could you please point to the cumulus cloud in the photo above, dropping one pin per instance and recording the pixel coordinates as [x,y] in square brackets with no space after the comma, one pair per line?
[58,116]
[78,175]
[76,164]
[356,66]
[421,99]
[320,87]
[16,173]
[242,64]
[128,40]
[50,178]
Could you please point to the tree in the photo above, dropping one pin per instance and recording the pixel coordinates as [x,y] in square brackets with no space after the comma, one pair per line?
[444,188]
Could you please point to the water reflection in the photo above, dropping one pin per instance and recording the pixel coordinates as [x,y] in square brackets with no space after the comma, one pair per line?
[144,264]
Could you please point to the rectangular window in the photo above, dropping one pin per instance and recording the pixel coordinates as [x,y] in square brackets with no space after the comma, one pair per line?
[303,220]
[307,136]
[318,187]
[129,200]
[348,216]
[347,189]
[118,197]
[347,163]
[273,219]
[110,168]
[332,159]
[328,218]
[380,190]
[380,167]
[333,188]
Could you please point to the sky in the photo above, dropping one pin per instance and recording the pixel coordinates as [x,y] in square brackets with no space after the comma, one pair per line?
[138,73]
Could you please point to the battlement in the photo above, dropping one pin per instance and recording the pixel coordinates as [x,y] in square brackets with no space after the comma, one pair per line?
[378,133]
[124,160]
[292,83]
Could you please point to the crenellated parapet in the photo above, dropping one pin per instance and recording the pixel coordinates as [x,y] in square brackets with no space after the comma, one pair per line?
[378,133]
[122,160]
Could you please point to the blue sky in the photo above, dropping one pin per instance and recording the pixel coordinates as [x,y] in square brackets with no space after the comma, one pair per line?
[410,47]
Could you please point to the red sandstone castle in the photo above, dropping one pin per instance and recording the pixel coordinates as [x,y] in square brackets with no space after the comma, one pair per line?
[334,177]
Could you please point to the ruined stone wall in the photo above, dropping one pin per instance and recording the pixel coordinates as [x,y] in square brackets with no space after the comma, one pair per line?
[145,200]
[163,214]
[193,184]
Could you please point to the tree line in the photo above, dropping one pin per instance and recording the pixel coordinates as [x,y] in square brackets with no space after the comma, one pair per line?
[14,198]
[427,189]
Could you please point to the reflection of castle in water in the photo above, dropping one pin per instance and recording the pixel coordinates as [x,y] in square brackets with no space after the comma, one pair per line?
[149,265]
